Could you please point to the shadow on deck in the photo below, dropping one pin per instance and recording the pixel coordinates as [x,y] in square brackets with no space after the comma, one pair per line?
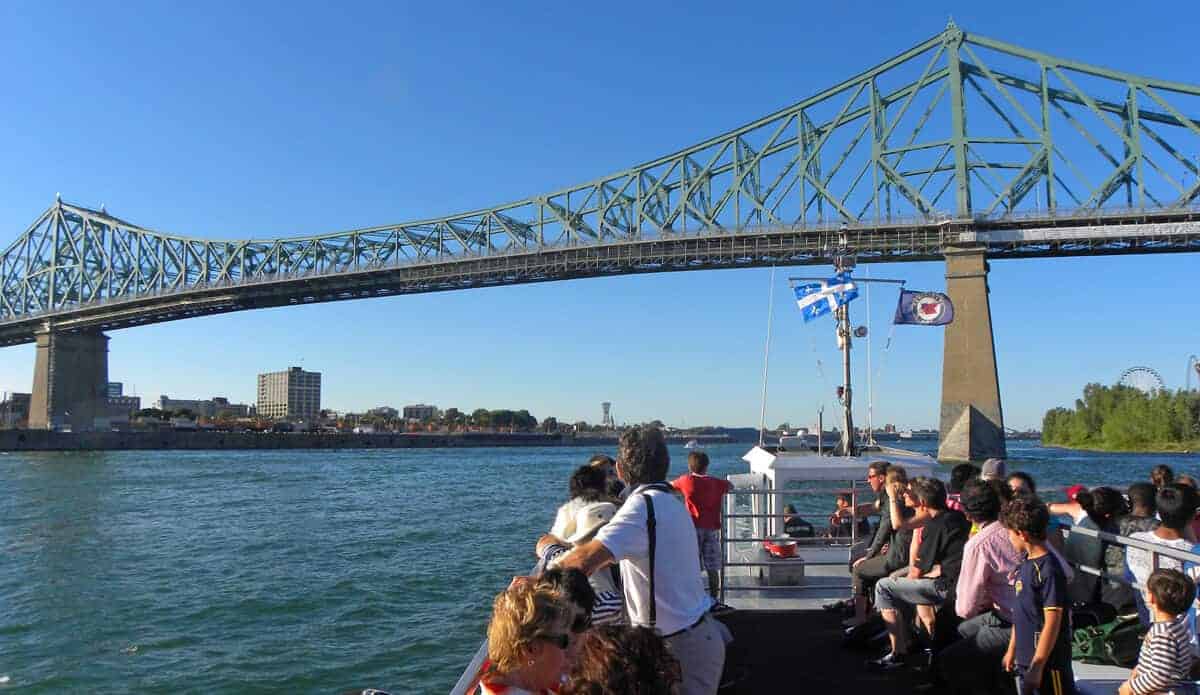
[800,651]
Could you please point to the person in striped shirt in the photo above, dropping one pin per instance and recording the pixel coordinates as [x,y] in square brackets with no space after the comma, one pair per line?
[609,608]
[1166,656]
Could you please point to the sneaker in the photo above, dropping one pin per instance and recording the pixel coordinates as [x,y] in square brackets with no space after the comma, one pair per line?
[838,605]
[718,608]
[888,662]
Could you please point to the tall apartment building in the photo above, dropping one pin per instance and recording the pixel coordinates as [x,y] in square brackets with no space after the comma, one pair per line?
[294,393]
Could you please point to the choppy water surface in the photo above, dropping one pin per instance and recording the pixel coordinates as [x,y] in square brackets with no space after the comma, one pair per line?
[223,572]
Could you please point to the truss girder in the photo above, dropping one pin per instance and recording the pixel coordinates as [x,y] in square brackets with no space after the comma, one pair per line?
[958,127]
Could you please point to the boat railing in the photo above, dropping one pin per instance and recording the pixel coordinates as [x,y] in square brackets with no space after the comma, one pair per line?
[1156,550]
[771,500]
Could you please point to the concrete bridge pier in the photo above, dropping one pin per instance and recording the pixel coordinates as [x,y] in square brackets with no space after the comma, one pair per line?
[972,422]
[70,380]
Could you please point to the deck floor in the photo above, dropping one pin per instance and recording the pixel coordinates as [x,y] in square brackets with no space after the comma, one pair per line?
[799,651]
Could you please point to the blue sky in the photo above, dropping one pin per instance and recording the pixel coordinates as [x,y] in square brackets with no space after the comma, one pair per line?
[263,119]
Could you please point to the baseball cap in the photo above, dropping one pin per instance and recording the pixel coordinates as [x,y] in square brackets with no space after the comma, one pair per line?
[1074,490]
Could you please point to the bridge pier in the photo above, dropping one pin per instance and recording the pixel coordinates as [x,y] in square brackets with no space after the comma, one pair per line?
[70,380]
[972,422]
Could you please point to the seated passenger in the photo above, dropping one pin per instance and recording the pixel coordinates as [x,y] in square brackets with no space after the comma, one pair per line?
[608,603]
[959,475]
[1141,516]
[604,462]
[795,526]
[1103,505]
[984,597]
[1021,483]
[1176,507]
[1161,476]
[1071,507]
[841,522]
[933,573]
[633,660]
[588,484]
[1166,656]
[888,550]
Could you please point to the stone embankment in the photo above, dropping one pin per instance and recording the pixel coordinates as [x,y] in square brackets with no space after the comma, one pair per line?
[46,440]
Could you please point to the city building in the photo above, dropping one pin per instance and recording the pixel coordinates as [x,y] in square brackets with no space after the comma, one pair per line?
[224,409]
[294,393]
[384,411]
[196,407]
[116,389]
[217,406]
[420,412]
[119,406]
[14,410]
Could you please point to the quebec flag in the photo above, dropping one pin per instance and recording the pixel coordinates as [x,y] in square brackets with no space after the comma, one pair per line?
[819,298]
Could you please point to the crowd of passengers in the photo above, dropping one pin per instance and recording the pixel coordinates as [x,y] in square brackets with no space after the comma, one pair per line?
[972,580]
[975,584]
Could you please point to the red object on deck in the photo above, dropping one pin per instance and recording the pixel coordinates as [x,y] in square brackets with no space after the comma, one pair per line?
[781,548]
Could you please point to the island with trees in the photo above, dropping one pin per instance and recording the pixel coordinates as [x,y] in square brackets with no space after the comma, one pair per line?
[1122,418]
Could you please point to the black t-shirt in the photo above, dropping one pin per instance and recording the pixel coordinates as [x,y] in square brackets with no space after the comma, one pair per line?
[942,544]
[1041,585]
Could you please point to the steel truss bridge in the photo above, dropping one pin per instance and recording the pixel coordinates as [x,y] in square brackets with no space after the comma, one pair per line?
[959,142]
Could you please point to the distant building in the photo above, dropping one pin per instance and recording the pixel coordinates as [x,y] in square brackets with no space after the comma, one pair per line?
[123,406]
[212,407]
[384,411]
[294,393]
[14,410]
[223,408]
[196,407]
[116,389]
[420,412]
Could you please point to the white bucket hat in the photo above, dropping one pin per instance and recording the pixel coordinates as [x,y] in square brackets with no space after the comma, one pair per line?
[590,518]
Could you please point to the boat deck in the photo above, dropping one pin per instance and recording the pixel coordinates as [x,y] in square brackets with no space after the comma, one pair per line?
[784,641]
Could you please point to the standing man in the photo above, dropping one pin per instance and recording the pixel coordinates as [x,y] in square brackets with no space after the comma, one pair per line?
[653,538]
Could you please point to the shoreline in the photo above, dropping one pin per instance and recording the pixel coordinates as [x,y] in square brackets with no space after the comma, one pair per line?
[47,440]
[1189,448]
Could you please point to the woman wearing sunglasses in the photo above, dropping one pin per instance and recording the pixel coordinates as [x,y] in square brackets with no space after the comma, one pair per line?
[528,641]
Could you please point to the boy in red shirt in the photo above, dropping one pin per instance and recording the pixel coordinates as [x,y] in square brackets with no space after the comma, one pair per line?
[702,495]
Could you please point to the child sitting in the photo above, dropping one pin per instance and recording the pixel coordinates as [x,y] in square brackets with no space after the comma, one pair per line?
[841,522]
[1166,656]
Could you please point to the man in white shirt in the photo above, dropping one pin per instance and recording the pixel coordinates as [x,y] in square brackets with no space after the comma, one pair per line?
[671,598]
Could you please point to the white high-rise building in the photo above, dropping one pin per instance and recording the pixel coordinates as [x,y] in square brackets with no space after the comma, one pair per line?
[294,393]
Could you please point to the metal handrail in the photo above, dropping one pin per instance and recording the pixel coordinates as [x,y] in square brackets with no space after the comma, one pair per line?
[1155,549]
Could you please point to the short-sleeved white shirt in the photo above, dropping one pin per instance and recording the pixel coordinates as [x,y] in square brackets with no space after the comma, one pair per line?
[681,599]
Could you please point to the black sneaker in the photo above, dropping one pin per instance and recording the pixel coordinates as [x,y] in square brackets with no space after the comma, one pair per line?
[888,662]
[719,608]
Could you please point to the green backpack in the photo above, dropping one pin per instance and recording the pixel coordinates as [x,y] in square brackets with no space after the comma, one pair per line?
[1117,642]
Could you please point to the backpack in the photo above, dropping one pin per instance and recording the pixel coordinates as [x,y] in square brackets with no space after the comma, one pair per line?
[1117,642]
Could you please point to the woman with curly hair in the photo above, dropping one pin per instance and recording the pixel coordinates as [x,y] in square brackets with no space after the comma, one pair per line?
[528,641]
[616,659]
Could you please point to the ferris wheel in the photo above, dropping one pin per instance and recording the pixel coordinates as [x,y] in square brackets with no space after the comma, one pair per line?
[1143,379]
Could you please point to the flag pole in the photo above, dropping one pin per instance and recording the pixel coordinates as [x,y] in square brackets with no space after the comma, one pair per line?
[762,415]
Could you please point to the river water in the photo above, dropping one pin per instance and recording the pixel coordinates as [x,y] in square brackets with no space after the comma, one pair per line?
[274,572]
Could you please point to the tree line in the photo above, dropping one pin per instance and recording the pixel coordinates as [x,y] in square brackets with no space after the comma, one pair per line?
[1122,417]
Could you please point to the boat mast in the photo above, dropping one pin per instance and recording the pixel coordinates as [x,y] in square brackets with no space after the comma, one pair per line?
[844,261]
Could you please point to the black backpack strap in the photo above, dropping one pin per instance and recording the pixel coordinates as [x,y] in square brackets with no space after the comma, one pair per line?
[652,532]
